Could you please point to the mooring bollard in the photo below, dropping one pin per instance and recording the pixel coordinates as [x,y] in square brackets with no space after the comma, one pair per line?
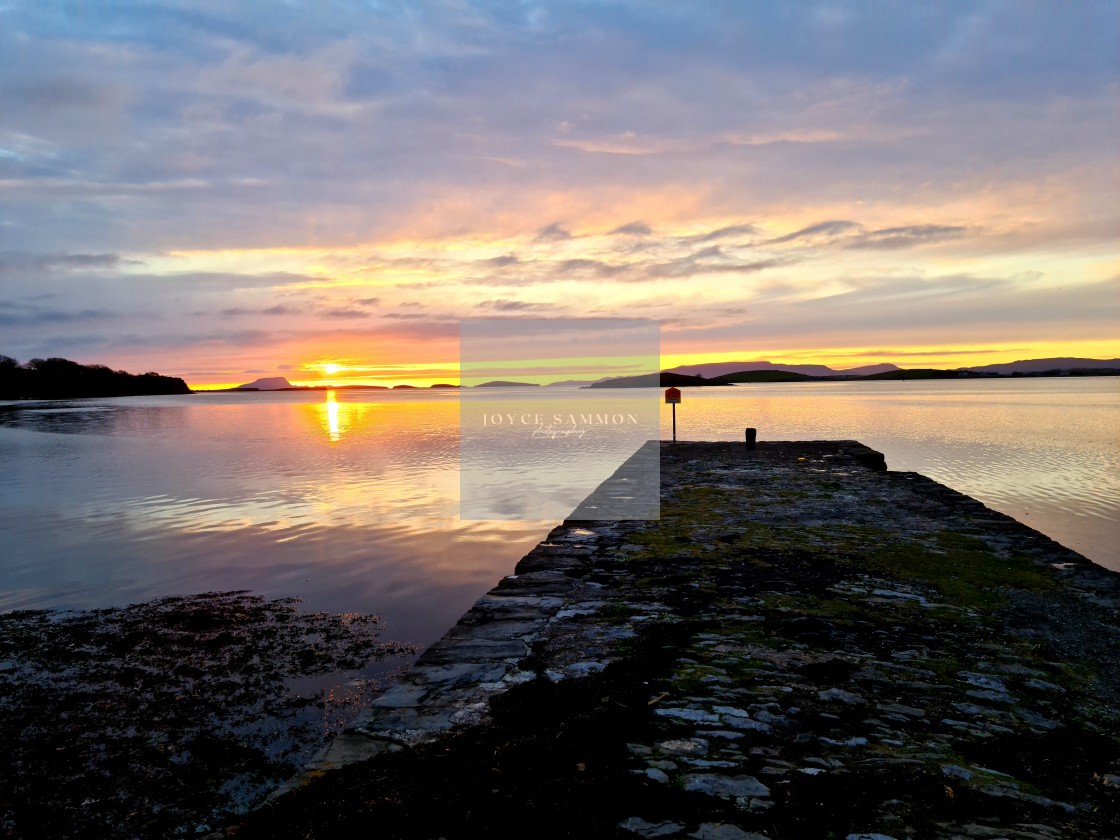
[751,434]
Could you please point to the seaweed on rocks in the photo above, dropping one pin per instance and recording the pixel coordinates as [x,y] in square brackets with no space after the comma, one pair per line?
[164,718]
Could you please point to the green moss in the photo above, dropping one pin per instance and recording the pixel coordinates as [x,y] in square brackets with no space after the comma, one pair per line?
[617,610]
[962,568]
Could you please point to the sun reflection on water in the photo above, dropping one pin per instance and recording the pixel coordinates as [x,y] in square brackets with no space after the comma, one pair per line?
[332,417]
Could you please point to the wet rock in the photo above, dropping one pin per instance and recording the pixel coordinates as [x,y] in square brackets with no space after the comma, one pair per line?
[731,710]
[644,828]
[748,725]
[980,711]
[708,764]
[983,681]
[899,709]
[990,696]
[771,770]
[1012,792]
[691,715]
[724,831]
[725,734]
[955,771]
[1042,685]
[839,695]
[855,741]
[725,787]
[582,669]
[684,746]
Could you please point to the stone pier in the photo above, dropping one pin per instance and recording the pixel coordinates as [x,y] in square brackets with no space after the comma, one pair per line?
[804,645]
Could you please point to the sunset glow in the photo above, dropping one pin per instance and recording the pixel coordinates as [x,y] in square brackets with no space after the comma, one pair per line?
[324,194]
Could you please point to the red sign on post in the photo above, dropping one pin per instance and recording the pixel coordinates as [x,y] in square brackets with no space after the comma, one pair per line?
[672,395]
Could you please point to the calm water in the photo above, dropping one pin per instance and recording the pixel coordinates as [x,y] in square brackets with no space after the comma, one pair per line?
[353,504]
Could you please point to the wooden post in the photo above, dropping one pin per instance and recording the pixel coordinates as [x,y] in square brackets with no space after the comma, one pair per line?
[751,434]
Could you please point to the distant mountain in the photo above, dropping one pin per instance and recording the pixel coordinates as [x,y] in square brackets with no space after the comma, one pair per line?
[1043,365]
[573,383]
[442,385]
[664,379]
[269,383]
[714,369]
[498,383]
[924,373]
[745,376]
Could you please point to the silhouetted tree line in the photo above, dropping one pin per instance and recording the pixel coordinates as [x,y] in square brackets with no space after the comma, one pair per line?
[52,379]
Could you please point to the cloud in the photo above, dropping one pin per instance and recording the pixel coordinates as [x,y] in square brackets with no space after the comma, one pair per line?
[503,305]
[633,229]
[553,233]
[821,229]
[343,313]
[725,232]
[850,234]
[698,263]
[238,311]
[13,261]
[905,237]
[53,317]
[220,281]
[587,266]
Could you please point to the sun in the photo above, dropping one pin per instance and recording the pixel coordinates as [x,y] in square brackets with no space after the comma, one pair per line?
[331,368]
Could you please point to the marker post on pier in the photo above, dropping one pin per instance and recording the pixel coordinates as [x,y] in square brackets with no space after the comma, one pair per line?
[673,396]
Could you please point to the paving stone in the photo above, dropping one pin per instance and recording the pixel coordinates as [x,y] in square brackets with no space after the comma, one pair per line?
[899,709]
[644,828]
[725,831]
[725,787]
[841,696]
[692,715]
[684,746]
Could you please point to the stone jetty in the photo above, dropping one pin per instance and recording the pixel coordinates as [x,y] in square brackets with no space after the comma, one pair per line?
[804,645]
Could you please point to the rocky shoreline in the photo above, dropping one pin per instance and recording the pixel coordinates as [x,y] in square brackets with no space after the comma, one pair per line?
[803,646]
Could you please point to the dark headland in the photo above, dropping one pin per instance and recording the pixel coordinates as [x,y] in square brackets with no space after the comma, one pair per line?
[805,645]
[52,379]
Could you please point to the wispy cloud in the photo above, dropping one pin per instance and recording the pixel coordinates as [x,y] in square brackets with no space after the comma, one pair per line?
[907,236]
[553,233]
[503,305]
[52,317]
[725,232]
[633,229]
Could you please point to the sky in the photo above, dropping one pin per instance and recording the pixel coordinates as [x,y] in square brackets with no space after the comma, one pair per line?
[222,191]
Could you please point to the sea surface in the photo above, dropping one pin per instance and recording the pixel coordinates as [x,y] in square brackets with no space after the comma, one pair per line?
[350,499]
